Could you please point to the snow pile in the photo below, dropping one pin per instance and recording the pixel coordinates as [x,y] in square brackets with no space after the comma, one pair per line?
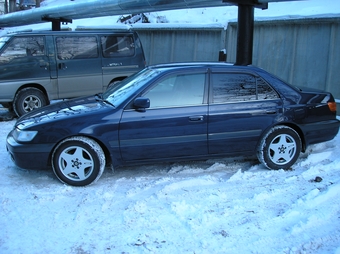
[231,205]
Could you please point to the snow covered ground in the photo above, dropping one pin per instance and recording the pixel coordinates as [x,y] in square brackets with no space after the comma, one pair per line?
[232,205]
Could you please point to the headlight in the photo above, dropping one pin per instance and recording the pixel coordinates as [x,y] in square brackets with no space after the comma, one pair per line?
[24,136]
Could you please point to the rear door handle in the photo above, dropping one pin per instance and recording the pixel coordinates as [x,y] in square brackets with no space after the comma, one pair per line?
[196,118]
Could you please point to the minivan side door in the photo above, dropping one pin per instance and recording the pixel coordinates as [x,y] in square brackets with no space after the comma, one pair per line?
[78,65]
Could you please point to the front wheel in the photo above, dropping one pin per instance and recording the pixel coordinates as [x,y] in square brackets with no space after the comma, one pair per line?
[28,99]
[78,161]
[279,148]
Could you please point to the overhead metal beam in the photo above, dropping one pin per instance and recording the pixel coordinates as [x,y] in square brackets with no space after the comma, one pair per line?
[99,8]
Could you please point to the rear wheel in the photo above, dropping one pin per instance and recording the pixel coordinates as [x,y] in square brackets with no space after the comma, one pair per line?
[78,161]
[28,99]
[279,148]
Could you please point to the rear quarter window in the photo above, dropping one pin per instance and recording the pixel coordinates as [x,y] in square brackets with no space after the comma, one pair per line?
[117,46]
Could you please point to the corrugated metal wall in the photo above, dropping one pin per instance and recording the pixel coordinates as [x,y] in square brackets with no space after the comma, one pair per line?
[304,52]
[181,44]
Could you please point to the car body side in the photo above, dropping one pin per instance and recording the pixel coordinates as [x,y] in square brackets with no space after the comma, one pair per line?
[117,129]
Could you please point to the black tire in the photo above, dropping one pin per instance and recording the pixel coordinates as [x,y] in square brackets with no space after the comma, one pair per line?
[279,148]
[7,105]
[78,161]
[28,99]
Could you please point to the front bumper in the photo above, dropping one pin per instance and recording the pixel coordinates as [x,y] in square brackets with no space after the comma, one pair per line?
[29,156]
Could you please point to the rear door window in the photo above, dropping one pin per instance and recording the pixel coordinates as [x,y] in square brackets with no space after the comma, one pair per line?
[240,87]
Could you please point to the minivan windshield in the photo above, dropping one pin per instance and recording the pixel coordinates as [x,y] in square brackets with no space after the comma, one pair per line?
[3,41]
[123,90]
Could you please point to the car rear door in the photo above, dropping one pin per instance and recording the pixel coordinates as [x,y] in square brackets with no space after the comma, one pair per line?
[242,106]
[174,126]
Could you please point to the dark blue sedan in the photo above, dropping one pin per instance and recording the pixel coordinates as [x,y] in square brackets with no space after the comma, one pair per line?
[175,112]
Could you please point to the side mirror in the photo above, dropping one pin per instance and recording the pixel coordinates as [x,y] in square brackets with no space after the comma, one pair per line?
[141,103]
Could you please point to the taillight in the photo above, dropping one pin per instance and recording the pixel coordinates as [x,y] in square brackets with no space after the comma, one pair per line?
[332,106]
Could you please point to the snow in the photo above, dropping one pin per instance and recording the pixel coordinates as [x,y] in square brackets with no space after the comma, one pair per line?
[232,205]
[217,206]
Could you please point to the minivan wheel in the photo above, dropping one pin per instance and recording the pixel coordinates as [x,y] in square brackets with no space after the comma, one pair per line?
[78,161]
[279,148]
[28,99]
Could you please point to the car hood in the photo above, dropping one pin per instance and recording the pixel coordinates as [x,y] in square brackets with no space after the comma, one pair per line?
[64,110]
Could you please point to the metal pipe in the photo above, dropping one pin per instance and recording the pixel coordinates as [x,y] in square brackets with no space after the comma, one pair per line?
[95,8]
[100,8]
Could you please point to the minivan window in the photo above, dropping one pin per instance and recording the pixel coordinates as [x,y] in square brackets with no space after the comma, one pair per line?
[116,46]
[23,47]
[76,47]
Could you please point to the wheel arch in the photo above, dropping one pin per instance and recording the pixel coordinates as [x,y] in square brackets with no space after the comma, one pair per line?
[100,143]
[34,85]
[294,127]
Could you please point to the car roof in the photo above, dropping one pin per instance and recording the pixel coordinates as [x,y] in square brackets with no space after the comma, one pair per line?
[224,65]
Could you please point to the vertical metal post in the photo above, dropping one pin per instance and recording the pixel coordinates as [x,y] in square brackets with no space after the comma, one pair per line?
[245,33]
[56,25]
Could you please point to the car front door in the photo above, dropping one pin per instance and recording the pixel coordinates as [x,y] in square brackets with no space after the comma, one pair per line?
[174,126]
[241,107]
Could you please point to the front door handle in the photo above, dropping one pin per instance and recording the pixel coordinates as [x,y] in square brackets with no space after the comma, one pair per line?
[196,118]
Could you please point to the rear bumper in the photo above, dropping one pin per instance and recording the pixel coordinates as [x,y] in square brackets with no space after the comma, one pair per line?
[29,156]
[320,132]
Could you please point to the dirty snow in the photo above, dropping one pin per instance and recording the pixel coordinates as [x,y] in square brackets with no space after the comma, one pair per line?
[232,205]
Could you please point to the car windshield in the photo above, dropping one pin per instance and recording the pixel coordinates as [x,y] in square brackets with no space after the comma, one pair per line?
[3,41]
[120,92]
